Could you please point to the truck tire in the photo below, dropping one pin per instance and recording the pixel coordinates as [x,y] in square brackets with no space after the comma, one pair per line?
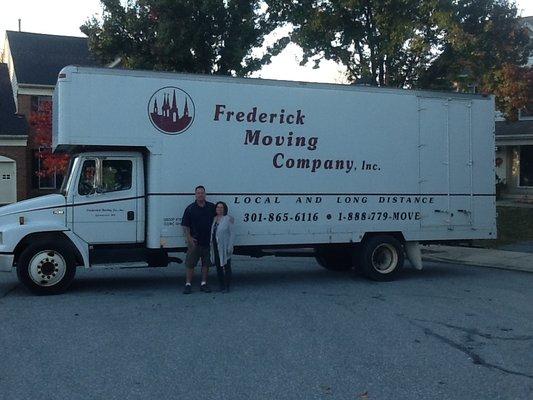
[47,267]
[334,259]
[381,258]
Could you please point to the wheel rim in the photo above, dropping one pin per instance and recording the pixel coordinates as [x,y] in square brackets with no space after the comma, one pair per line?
[47,268]
[385,258]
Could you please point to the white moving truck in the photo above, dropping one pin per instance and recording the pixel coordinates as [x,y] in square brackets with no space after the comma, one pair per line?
[359,174]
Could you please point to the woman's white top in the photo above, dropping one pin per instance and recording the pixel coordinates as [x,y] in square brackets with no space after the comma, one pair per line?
[225,235]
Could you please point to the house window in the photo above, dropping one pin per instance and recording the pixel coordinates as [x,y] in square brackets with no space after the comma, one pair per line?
[40,181]
[41,103]
[526,165]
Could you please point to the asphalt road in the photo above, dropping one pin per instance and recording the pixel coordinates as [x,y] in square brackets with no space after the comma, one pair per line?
[289,330]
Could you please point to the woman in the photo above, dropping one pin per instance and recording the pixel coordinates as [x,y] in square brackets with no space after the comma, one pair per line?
[222,237]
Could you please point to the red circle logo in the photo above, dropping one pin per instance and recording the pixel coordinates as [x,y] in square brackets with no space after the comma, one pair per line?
[171,110]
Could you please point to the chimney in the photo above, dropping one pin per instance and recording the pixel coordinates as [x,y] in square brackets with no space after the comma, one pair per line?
[19,24]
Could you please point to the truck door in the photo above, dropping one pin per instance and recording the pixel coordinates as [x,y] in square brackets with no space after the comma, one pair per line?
[106,200]
[445,162]
[461,163]
[433,161]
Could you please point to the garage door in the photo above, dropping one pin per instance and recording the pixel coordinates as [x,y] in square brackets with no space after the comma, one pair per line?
[8,181]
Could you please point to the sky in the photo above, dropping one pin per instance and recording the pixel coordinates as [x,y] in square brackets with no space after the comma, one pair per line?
[64,17]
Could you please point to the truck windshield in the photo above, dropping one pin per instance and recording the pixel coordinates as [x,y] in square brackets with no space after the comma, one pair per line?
[68,177]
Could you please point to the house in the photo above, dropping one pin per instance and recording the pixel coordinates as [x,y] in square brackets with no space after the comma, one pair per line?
[514,147]
[13,144]
[33,62]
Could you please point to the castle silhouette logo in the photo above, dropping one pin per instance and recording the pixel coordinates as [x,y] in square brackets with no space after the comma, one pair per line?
[171,110]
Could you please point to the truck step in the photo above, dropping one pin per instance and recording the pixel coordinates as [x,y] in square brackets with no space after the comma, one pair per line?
[134,264]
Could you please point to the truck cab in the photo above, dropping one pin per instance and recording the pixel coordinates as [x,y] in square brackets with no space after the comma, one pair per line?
[101,203]
[104,198]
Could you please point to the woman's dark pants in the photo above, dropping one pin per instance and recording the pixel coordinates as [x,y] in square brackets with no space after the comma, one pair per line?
[223,273]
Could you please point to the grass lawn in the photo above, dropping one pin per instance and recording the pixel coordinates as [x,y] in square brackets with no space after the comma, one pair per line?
[515,224]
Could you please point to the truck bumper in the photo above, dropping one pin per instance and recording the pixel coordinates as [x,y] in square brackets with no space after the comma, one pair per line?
[6,262]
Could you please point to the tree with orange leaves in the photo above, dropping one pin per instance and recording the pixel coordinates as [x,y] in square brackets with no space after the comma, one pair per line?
[513,87]
[41,125]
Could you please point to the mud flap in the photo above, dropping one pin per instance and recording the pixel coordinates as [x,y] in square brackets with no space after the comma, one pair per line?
[412,249]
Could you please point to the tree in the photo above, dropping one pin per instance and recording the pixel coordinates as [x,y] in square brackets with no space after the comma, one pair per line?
[483,36]
[407,43]
[485,50]
[41,124]
[380,42]
[513,87]
[204,36]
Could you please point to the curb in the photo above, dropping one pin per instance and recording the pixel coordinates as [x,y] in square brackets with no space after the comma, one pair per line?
[485,258]
[473,264]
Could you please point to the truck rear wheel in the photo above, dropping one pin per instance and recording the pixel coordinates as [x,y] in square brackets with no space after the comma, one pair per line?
[381,258]
[46,267]
[334,258]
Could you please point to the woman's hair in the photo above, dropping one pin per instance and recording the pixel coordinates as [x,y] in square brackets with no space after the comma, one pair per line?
[223,205]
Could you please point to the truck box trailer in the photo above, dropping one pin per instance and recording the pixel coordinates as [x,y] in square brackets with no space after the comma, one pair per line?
[359,174]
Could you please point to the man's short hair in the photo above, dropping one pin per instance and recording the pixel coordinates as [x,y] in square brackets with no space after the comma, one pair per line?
[199,187]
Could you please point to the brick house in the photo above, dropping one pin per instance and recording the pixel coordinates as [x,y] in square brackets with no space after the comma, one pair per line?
[33,62]
[13,141]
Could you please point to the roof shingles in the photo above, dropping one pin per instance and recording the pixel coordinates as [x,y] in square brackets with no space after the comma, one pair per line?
[38,58]
[504,128]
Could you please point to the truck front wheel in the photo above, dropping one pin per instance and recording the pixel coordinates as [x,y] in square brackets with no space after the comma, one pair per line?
[381,258]
[334,258]
[46,267]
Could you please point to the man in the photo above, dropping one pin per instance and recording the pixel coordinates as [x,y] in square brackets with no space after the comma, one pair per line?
[196,222]
[86,185]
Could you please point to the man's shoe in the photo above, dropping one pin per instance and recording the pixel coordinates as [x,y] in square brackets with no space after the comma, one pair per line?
[204,288]
[187,290]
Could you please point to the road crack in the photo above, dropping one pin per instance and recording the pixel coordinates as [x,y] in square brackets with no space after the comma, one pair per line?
[476,358]
[475,332]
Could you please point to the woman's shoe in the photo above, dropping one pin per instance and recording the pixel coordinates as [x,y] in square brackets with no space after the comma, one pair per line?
[220,275]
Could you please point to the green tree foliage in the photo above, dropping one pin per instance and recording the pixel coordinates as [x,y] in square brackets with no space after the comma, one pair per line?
[463,45]
[483,36]
[203,36]
[485,49]
[380,42]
